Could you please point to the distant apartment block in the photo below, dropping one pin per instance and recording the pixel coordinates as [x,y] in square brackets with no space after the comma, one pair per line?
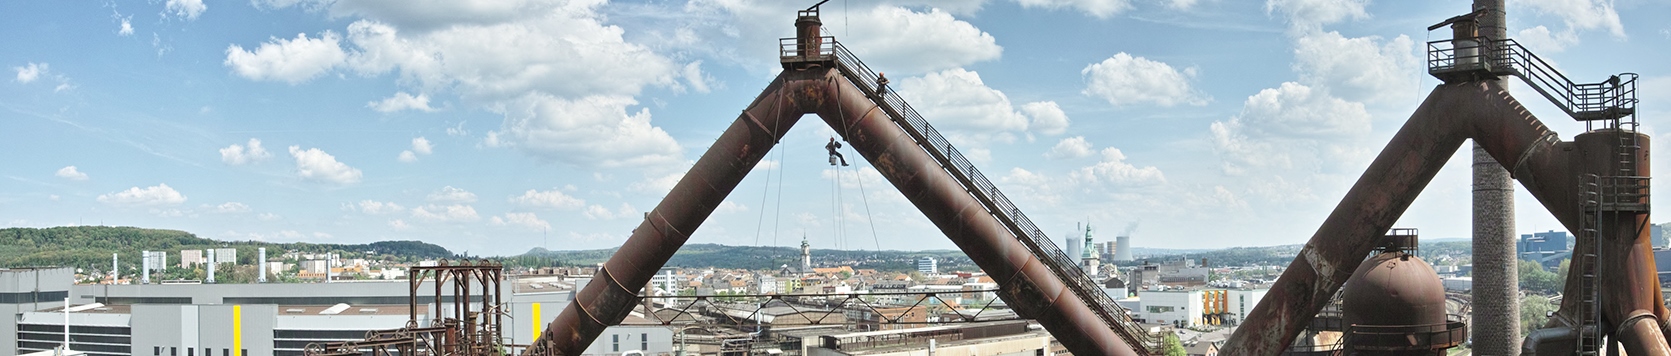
[927,265]
[226,255]
[190,258]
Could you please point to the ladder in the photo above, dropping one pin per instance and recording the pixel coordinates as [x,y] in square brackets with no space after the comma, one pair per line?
[1589,227]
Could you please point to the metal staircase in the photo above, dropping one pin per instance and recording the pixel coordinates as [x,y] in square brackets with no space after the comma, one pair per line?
[1608,106]
[976,183]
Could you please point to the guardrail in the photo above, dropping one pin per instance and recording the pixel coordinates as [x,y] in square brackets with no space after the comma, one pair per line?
[1610,99]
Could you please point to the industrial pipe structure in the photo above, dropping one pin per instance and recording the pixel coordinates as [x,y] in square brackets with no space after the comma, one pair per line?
[819,78]
[1594,185]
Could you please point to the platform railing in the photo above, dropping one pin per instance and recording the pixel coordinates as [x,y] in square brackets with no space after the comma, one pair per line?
[1610,99]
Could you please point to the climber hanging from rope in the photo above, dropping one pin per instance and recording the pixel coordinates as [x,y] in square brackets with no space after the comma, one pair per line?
[832,147]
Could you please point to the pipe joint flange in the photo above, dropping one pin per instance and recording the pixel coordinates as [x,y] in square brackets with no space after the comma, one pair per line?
[1635,317]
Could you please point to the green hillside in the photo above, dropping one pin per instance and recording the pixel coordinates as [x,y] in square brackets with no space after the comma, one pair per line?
[89,247]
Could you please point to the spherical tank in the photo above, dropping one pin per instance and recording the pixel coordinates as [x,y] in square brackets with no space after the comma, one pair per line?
[1394,288]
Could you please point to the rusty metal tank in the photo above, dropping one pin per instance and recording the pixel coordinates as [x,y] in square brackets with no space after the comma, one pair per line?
[1395,304]
[1394,287]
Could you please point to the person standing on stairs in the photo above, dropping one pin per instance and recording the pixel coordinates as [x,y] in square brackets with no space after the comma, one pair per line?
[881,84]
[832,147]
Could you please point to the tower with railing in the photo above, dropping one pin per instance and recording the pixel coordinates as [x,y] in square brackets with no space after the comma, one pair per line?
[1619,192]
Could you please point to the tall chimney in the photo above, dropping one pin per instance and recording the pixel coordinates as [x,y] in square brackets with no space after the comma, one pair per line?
[1496,320]
[145,267]
[261,260]
[115,269]
[212,265]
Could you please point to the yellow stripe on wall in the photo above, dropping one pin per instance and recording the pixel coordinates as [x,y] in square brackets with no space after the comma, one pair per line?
[537,320]
[238,328]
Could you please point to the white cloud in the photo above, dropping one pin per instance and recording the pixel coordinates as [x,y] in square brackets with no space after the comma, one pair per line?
[231,207]
[445,213]
[317,165]
[379,208]
[268,216]
[1072,147]
[1113,169]
[1290,123]
[598,212]
[896,38]
[30,72]
[399,224]
[127,27]
[407,156]
[71,173]
[158,195]
[1358,68]
[1181,4]
[1311,15]
[1540,40]
[450,195]
[727,207]
[293,61]
[528,220]
[968,112]
[595,131]
[422,146]
[402,101]
[186,9]
[1127,80]
[547,199]
[1580,14]
[1048,117]
[248,153]
[559,50]
[458,130]
[1099,8]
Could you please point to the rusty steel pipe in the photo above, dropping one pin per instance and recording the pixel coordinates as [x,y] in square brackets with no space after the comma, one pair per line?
[608,299]
[1481,110]
[1027,284]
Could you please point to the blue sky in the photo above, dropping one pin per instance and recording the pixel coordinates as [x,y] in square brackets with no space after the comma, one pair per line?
[497,126]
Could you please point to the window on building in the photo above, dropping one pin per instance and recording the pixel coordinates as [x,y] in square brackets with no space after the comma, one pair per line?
[243,352]
[191,351]
[225,352]
[616,346]
[172,351]
[644,342]
[1160,309]
[156,351]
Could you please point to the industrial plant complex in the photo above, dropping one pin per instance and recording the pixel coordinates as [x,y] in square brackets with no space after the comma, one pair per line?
[1358,286]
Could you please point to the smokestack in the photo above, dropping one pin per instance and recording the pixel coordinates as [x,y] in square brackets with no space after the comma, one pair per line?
[212,265]
[1122,248]
[261,260]
[145,267]
[1496,275]
[115,269]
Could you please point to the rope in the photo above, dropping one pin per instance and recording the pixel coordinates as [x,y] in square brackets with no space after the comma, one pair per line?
[766,190]
[868,217]
[777,218]
[835,209]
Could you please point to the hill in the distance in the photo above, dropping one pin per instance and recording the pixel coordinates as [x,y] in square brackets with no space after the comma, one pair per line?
[89,247]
